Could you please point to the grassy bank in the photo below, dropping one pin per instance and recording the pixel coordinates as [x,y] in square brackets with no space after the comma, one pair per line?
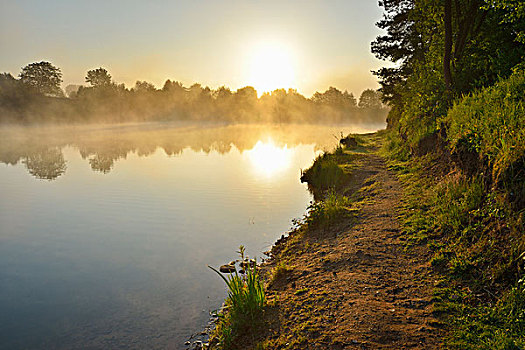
[465,200]
[470,224]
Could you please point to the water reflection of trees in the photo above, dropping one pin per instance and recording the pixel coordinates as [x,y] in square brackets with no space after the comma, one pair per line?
[46,163]
[102,155]
[41,150]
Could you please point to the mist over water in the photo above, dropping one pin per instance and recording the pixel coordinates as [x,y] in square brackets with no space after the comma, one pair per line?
[106,230]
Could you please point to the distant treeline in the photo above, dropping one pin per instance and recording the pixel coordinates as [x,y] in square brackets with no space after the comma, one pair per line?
[36,97]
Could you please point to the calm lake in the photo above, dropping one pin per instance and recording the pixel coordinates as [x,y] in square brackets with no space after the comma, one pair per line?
[106,231]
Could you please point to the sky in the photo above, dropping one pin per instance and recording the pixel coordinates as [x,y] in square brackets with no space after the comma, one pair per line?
[305,45]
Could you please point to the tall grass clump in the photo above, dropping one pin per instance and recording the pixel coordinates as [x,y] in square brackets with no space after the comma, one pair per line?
[332,208]
[490,123]
[243,306]
[456,201]
[324,173]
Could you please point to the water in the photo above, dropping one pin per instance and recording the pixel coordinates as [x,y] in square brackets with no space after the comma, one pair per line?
[106,231]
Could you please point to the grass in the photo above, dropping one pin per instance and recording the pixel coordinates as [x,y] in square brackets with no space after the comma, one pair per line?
[324,173]
[329,210]
[279,271]
[490,124]
[243,306]
[476,235]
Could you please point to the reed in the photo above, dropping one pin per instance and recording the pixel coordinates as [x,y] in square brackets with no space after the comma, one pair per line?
[243,306]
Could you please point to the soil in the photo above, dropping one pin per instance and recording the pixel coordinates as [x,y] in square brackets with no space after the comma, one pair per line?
[355,284]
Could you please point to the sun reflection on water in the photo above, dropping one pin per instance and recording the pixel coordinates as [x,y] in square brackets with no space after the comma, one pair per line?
[269,159]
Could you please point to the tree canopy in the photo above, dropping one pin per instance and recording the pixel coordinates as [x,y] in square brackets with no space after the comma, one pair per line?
[43,78]
[98,77]
[443,50]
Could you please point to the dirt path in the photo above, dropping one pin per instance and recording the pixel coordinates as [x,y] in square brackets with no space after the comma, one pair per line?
[355,286]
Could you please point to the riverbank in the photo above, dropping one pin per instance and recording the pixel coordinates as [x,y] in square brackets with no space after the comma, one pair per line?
[346,277]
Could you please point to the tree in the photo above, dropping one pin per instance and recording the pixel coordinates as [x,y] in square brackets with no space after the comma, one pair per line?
[349,99]
[43,78]
[222,93]
[514,13]
[370,99]
[144,86]
[402,44]
[98,77]
[332,97]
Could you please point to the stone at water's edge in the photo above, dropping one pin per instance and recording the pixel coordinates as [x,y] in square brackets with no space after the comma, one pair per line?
[248,263]
[227,269]
[348,141]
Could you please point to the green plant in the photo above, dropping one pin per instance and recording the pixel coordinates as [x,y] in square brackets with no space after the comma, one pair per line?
[329,210]
[490,124]
[456,201]
[279,271]
[324,173]
[244,304]
[477,239]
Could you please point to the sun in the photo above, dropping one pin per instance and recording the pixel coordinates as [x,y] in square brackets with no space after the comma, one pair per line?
[271,67]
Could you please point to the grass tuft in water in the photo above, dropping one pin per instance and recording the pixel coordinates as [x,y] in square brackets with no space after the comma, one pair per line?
[243,306]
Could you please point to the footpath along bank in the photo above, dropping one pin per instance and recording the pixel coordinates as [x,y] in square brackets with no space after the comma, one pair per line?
[347,276]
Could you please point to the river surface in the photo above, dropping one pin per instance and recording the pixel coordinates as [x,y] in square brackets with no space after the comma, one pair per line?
[106,231]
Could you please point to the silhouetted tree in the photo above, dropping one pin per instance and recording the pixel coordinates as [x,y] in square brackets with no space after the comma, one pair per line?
[370,99]
[349,99]
[222,93]
[98,77]
[144,86]
[43,78]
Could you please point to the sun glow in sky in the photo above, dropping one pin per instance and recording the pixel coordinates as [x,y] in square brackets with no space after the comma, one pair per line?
[269,159]
[271,67]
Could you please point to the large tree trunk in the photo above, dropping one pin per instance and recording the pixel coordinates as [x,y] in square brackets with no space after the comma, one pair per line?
[448,44]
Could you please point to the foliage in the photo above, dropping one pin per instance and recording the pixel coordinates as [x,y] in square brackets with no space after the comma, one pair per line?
[491,123]
[331,209]
[42,77]
[325,173]
[514,13]
[244,305]
[478,245]
[484,49]
[98,77]
[280,270]
[370,99]
[465,197]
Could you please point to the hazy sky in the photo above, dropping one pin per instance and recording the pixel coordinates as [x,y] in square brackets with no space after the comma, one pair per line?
[310,45]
